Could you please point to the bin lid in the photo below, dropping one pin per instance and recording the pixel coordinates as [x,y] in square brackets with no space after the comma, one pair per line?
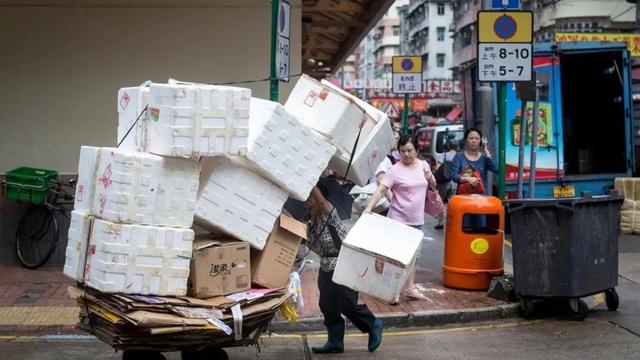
[384,237]
[559,202]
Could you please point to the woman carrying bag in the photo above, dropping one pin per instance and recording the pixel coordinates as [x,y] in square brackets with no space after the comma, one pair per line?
[413,186]
[469,167]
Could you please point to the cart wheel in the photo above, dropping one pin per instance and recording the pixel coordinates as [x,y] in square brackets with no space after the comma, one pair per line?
[206,354]
[612,299]
[578,309]
[142,354]
[526,308]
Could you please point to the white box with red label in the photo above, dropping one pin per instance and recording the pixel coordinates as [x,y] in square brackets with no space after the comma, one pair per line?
[131,104]
[376,141]
[327,112]
[77,241]
[134,187]
[187,120]
[377,256]
[136,259]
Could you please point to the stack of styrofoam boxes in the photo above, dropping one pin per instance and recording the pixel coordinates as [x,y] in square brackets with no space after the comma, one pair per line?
[269,154]
[340,117]
[130,228]
[243,196]
[630,210]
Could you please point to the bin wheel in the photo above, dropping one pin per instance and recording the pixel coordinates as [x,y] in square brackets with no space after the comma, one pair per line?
[578,309]
[206,354]
[612,299]
[526,308]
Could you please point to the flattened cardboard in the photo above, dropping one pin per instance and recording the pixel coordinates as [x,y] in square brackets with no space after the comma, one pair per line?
[219,267]
[271,267]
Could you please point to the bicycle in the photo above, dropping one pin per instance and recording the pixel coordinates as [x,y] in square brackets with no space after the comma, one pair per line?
[37,233]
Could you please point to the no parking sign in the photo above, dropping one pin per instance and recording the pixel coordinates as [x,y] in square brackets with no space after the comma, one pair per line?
[505,50]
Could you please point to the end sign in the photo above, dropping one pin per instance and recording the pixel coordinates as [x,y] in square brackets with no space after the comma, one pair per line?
[407,74]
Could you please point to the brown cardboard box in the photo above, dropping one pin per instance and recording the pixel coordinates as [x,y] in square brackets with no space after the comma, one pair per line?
[271,266]
[220,266]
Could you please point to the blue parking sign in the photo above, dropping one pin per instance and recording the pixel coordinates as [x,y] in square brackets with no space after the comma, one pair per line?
[505,4]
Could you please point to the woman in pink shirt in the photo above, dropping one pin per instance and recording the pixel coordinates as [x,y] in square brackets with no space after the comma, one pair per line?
[408,179]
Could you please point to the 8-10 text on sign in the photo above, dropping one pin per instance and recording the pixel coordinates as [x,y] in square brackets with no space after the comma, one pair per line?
[504,62]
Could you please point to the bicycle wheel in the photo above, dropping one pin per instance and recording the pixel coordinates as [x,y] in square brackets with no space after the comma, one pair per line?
[36,237]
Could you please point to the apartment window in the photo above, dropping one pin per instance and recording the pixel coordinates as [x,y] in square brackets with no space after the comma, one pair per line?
[440,60]
[396,30]
[440,9]
[441,31]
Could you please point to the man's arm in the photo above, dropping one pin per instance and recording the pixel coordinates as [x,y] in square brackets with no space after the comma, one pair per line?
[323,203]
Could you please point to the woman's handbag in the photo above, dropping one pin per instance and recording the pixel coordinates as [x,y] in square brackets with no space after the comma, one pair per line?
[467,188]
[433,204]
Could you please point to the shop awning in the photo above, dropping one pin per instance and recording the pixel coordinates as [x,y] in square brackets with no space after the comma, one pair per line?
[454,113]
[332,29]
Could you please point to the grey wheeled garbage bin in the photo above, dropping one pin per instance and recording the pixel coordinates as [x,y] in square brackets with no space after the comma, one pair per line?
[565,248]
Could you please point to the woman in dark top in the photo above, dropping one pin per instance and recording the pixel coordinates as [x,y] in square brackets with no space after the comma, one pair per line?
[474,156]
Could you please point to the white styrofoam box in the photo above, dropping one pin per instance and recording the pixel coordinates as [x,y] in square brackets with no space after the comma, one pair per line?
[373,264]
[86,184]
[131,103]
[234,200]
[370,152]
[136,259]
[146,189]
[371,110]
[197,120]
[77,242]
[328,112]
[284,150]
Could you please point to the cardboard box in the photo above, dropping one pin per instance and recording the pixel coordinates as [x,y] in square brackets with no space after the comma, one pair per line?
[219,267]
[372,263]
[271,266]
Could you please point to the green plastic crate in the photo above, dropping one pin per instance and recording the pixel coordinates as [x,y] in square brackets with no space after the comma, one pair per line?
[29,185]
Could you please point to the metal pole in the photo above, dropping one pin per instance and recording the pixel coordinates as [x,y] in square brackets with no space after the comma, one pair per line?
[273,81]
[502,136]
[485,122]
[534,145]
[523,134]
[405,115]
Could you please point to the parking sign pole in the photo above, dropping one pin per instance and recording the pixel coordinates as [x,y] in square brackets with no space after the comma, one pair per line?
[405,115]
[273,80]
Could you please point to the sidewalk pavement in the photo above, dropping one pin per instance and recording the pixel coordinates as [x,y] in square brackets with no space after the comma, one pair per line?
[35,302]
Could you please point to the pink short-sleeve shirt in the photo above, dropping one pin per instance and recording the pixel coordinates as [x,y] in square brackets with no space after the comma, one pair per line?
[409,187]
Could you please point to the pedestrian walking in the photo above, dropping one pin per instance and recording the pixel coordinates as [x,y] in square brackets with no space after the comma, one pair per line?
[324,237]
[409,180]
[445,185]
[469,167]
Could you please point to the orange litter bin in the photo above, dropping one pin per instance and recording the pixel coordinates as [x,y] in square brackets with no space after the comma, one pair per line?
[473,242]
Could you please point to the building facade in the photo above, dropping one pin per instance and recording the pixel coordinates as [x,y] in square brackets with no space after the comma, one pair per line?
[550,17]
[425,31]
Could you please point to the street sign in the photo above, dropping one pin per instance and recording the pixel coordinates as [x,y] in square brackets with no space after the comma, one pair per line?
[283,48]
[505,26]
[406,74]
[505,4]
[391,111]
[505,62]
